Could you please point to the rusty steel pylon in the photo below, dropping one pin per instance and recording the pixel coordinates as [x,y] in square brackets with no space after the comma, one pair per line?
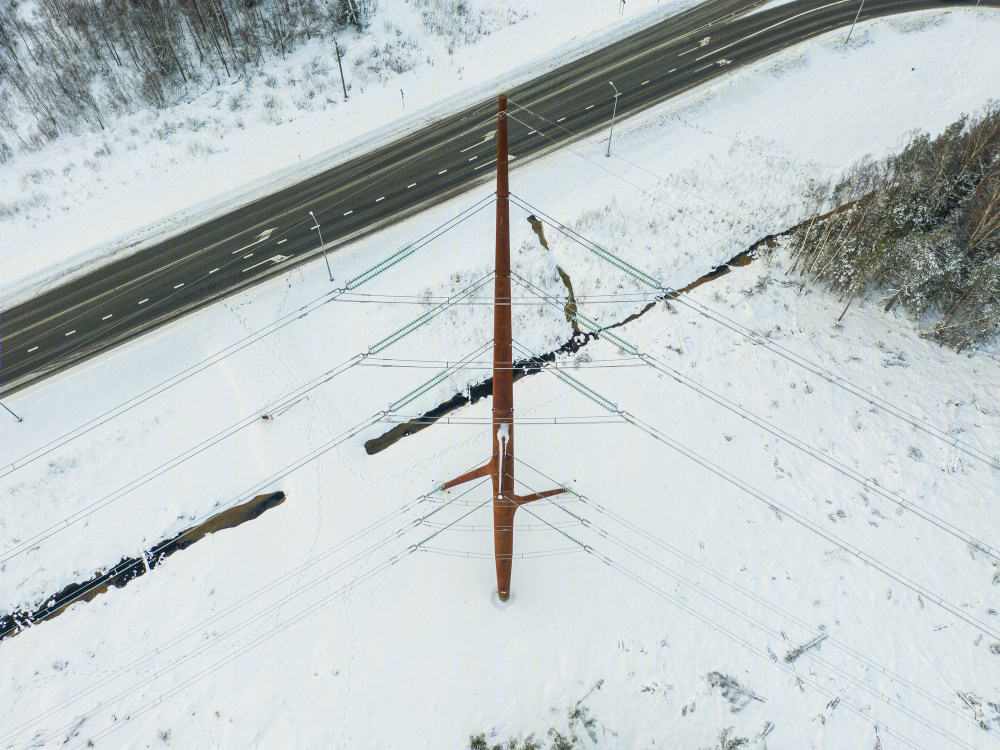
[501,466]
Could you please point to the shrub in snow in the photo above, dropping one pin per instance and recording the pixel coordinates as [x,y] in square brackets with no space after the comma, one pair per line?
[390,51]
[577,718]
[465,21]
[728,742]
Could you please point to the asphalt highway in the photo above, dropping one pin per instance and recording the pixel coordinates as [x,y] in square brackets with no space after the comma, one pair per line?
[254,242]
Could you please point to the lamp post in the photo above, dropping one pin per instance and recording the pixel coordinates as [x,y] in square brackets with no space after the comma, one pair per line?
[322,245]
[613,113]
[856,20]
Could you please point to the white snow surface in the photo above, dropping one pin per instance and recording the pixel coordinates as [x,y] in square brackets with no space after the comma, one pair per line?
[416,655]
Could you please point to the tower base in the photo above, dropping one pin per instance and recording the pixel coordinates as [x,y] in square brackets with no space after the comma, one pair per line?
[498,602]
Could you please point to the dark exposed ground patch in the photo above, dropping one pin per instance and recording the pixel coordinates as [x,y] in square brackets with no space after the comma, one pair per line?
[130,568]
[525,367]
[539,230]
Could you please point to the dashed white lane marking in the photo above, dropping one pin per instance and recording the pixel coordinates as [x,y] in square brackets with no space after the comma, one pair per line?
[348,213]
[510,157]
[772,26]
[473,158]
[213,270]
[671,70]
[106,316]
[644,83]
[178,286]
[280,242]
[248,255]
[591,106]
[532,132]
[560,119]
[703,67]
[34,348]
[380,199]
[412,184]
[144,301]
[442,171]
[693,49]
[70,333]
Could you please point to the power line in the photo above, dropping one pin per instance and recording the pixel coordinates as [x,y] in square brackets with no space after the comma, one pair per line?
[652,174]
[416,299]
[833,378]
[381,175]
[773,504]
[629,182]
[196,450]
[161,648]
[749,593]
[315,559]
[430,364]
[772,429]
[528,421]
[202,674]
[492,556]
[252,491]
[251,338]
[881,320]
[433,382]
[427,298]
[758,624]
[746,643]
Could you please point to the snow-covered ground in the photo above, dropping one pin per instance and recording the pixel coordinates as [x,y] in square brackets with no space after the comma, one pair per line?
[380,643]
[156,172]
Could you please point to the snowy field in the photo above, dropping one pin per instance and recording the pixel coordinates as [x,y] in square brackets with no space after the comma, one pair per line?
[155,172]
[667,599]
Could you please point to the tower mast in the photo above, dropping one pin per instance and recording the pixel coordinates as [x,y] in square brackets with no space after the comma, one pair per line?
[501,466]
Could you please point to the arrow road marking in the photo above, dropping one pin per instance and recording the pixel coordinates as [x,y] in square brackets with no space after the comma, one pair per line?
[276,259]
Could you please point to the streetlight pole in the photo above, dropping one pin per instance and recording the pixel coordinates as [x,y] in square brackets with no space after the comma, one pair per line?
[860,7]
[613,113]
[322,245]
[11,413]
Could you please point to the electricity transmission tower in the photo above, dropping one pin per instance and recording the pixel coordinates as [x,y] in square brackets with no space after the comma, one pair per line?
[501,466]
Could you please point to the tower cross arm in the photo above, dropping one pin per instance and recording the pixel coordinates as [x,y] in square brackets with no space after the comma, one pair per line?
[522,499]
[483,471]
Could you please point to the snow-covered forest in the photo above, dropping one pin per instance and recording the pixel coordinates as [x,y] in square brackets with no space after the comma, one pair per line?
[72,63]
[921,228]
